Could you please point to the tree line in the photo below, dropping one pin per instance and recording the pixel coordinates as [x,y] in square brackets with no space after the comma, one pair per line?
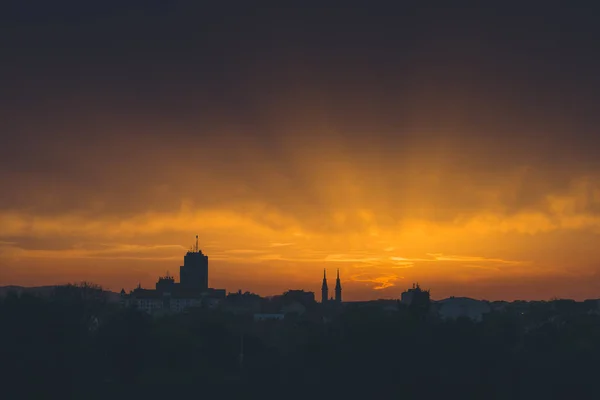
[75,339]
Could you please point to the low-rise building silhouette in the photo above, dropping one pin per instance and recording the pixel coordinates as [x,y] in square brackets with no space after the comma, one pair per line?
[414,295]
[457,307]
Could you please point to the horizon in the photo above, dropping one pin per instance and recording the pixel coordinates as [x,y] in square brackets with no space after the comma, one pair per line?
[115,291]
[246,290]
[447,146]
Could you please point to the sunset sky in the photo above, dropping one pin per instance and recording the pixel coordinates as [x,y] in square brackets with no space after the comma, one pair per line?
[454,147]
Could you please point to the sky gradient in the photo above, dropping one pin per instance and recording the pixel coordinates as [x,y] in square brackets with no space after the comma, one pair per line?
[453,147]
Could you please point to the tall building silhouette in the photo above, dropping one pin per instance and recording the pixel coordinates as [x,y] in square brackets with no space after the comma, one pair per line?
[170,296]
[338,288]
[324,289]
[194,271]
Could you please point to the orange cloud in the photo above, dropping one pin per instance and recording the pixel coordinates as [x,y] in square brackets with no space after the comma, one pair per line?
[380,282]
[354,222]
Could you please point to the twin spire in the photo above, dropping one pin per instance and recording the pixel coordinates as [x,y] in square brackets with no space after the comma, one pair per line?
[325,288]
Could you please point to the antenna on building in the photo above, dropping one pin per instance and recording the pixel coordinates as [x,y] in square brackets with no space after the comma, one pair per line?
[196,243]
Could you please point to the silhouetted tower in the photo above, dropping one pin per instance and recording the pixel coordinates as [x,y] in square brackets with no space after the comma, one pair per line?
[324,289]
[338,288]
[193,273]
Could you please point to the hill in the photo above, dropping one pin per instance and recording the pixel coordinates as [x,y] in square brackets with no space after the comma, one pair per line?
[45,291]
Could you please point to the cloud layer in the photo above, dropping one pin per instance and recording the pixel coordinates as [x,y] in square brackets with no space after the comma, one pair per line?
[375,248]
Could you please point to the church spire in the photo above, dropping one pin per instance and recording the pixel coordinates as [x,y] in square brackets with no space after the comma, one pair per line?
[324,288]
[338,288]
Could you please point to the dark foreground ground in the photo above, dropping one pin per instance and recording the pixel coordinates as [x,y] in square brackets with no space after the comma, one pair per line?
[73,346]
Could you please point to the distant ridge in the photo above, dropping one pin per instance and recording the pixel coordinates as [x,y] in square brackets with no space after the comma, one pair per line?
[46,291]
